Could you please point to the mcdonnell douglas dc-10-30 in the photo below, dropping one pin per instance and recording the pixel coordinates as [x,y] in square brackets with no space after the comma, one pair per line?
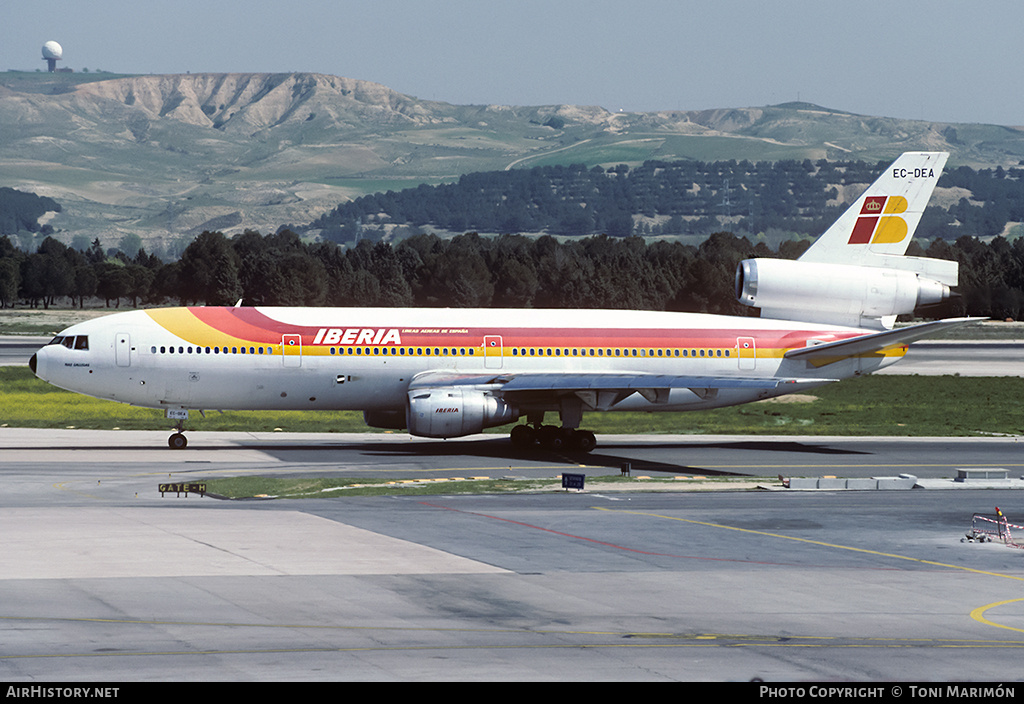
[446,373]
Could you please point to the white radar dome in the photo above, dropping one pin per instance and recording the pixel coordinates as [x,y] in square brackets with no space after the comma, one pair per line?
[52,50]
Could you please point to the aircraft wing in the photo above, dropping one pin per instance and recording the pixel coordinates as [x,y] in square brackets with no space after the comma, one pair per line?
[602,382]
[604,390]
[829,352]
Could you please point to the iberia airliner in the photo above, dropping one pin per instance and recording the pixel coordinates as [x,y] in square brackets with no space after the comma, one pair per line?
[444,373]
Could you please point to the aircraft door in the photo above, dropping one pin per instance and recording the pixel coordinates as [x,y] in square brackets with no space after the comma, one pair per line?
[746,351]
[123,349]
[291,350]
[493,351]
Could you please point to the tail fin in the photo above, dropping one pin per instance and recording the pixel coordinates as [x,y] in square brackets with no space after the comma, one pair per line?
[882,221]
[857,274]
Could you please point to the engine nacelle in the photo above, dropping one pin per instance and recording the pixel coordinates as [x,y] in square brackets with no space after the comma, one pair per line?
[839,294]
[453,411]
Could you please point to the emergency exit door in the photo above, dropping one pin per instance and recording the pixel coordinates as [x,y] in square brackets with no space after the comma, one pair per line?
[291,350]
[747,352]
[123,349]
[493,351]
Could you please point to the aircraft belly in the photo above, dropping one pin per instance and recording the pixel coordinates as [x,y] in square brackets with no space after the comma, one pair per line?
[873,365]
[692,400]
[177,388]
[303,388]
[841,369]
[132,389]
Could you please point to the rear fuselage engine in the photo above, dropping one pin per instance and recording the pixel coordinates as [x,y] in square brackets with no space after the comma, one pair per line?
[814,291]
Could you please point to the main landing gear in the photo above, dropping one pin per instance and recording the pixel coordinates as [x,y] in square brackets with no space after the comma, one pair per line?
[551,437]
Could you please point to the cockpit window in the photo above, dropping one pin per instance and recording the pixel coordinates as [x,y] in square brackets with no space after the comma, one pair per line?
[81,342]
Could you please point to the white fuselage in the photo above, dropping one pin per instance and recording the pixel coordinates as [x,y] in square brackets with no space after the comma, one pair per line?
[366,358]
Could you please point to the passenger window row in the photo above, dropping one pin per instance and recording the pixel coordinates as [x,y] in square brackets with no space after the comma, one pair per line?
[532,352]
[181,349]
[410,351]
[82,342]
[617,352]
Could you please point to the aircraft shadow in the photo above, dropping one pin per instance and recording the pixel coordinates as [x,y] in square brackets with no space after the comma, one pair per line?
[501,448]
[607,455]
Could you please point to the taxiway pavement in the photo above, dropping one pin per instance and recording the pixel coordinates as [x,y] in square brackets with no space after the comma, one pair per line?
[102,579]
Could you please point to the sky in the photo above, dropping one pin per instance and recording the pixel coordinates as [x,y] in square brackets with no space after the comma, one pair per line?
[939,60]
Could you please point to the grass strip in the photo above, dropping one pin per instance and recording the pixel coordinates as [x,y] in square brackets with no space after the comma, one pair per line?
[262,487]
[871,405]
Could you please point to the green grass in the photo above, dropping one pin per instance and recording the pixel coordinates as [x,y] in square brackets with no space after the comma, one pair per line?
[28,321]
[872,405]
[637,147]
[330,487]
[27,402]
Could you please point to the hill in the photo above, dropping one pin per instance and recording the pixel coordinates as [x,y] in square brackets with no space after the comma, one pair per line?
[165,157]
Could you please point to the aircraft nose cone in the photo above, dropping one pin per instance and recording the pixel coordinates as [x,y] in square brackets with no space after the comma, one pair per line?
[32,363]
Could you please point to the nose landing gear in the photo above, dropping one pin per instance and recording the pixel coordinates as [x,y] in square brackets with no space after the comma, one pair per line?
[178,441]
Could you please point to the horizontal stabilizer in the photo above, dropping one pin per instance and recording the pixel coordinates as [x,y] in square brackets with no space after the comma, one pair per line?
[829,352]
[941,270]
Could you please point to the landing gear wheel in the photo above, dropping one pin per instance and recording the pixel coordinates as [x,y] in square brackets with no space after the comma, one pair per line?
[551,437]
[177,442]
[523,436]
[584,440]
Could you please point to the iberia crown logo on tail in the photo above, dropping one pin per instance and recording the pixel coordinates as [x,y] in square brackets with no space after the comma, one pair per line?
[879,221]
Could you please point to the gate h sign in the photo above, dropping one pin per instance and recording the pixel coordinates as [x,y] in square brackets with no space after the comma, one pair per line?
[573,481]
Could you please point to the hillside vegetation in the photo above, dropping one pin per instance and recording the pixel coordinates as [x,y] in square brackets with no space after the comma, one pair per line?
[674,198]
[166,157]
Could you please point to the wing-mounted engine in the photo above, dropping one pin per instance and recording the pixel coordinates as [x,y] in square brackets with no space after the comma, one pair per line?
[842,294]
[453,411]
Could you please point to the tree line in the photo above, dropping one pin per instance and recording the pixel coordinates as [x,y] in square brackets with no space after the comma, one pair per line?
[666,198]
[465,271]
